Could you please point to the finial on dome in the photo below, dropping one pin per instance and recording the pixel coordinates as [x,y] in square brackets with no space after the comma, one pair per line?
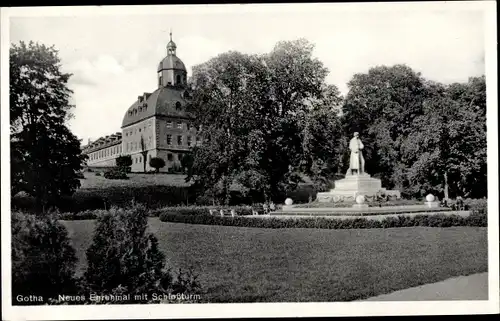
[170,34]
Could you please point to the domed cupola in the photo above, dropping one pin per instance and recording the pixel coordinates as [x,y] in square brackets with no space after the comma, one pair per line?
[171,70]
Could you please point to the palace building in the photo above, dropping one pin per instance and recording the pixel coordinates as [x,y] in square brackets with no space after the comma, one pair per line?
[156,122]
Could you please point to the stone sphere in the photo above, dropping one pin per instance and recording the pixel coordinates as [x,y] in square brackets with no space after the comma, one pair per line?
[430,198]
[360,199]
[288,201]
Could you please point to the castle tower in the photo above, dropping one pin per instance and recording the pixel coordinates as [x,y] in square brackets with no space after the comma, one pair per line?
[171,70]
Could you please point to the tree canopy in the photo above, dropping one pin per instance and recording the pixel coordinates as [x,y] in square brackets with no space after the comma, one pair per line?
[254,111]
[45,155]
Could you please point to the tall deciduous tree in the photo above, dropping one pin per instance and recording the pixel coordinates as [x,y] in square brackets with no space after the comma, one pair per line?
[46,156]
[382,105]
[253,108]
[323,138]
[446,152]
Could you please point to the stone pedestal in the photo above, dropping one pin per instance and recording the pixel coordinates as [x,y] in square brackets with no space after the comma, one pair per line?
[353,185]
[432,204]
[360,206]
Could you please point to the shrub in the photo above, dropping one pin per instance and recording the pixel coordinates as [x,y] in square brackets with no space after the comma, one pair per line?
[97,173]
[124,162]
[124,259]
[157,163]
[438,220]
[43,260]
[116,173]
[80,175]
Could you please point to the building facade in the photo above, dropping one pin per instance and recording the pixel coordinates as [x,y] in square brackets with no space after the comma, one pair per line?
[157,123]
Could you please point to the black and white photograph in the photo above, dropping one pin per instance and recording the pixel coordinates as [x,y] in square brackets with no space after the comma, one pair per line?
[322,159]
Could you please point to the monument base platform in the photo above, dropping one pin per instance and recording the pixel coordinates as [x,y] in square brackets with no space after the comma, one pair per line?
[353,185]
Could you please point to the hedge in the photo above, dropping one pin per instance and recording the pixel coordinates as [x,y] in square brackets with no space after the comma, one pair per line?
[152,197]
[179,210]
[477,218]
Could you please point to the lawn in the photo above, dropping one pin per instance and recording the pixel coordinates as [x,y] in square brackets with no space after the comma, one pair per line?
[291,265]
[92,181]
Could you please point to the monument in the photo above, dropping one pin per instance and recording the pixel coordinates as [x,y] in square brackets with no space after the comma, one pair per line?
[356,181]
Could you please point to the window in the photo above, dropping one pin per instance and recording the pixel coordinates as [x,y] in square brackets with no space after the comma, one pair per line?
[190,141]
[169,124]
[140,129]
[178,80]
[169,139]
[170,157]
[149,158]
[179,125]
[160,81]
[179,140]
[178,106]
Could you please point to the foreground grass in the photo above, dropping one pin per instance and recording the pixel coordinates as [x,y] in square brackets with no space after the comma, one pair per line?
[288,265]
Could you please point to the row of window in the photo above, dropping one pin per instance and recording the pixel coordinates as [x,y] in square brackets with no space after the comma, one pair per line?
[180,140]
[139,159]
[105,152]
[134,146]
[179,125]
[141,108]
[133,131]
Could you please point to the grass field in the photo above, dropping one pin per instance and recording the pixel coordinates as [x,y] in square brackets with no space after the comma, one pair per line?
[92,181]
[290,265]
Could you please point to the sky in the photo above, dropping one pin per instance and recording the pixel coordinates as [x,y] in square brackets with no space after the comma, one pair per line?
[113,54]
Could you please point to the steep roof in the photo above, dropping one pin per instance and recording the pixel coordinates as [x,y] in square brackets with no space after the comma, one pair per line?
[166,101]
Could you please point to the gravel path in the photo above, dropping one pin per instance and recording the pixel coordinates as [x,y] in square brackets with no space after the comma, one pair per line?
[472,287]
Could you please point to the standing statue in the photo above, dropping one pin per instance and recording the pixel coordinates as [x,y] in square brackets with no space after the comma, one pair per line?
[357,162]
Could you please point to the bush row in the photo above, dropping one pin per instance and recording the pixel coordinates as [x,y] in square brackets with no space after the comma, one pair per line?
[152,197]
[477,218]
[185,210]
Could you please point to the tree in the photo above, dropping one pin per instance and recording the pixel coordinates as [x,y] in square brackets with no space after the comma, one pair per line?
[382,105]
[446,151]
[144,152]
[43,260]
[157,163]
[252,108]
[46,156]
[322,138]
[124,162]
[224,101]
[125,259]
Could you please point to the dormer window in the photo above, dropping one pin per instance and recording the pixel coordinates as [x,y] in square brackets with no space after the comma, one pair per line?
[178,106]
